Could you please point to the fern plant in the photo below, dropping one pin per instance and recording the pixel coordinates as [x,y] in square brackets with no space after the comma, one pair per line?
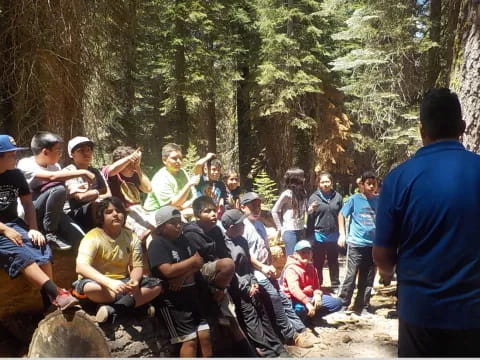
[266,188]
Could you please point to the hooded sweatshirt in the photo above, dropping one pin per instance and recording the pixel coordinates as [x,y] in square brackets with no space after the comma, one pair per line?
[299,281]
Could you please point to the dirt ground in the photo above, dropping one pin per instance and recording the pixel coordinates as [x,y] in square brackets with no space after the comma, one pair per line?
[371,335]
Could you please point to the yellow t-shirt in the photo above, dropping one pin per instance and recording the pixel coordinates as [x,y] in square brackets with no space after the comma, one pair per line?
[111,257]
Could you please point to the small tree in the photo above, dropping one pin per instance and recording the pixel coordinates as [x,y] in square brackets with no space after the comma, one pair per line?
[266,188]
[190,158]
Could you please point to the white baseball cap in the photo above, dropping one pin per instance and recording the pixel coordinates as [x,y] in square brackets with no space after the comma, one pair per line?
[77,140]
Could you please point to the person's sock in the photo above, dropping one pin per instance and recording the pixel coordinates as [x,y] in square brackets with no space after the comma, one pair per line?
[123,304]
[49,291]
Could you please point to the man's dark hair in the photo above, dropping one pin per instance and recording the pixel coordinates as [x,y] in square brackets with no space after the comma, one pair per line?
[168,148]
[44,140]
[122,151]
[200,203]
[441,114]
[103,205]
[368,175]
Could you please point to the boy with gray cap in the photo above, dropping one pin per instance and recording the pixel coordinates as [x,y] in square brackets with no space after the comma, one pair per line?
[172,259]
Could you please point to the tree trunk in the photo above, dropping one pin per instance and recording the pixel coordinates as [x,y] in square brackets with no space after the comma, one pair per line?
[244,127]
[469,76]
[434,52]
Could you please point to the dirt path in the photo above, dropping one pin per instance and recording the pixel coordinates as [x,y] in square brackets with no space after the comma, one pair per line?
[372,335]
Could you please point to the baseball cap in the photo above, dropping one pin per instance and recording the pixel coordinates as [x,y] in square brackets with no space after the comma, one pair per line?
[232,217]
[302,244]
[249,196]
[77,140]
[7,143]
[165,214]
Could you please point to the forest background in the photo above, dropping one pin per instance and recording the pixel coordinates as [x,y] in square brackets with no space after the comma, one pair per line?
[266,84]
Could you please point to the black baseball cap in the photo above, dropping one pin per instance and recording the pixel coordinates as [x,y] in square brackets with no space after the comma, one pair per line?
[232,217]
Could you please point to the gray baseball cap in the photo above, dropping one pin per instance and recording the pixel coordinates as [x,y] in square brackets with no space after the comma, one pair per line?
[248,197]
[232,217]
[165,214]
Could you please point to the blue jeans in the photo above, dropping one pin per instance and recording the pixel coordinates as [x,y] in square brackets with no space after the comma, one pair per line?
[330,305]
[290,238]
[280,309]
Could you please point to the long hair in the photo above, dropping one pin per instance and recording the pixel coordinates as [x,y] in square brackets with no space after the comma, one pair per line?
[295,182]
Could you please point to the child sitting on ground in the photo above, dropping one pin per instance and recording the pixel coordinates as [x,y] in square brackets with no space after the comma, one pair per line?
[82,195]
[301,284]
[110,267]
[232,182]
[46,180]
[173,260]
[22,247]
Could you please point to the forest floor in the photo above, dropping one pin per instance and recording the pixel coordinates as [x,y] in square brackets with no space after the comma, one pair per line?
[371,335]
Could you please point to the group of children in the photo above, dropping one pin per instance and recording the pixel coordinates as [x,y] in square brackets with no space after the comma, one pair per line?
[195,252]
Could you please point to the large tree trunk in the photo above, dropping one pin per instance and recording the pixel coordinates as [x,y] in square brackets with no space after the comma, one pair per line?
[434,52]
[244,126]
[469,75]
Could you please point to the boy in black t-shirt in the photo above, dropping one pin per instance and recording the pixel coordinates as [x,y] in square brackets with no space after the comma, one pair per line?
[244,290]
[172,259]
[22,247]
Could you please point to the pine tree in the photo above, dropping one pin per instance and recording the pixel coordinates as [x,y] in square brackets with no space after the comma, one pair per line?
[266,188]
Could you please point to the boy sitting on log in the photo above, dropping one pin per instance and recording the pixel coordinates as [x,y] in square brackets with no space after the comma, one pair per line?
[110,265]
[22,247]
[172,259]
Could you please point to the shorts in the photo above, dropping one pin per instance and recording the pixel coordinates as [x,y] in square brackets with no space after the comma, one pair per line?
[15,258]
[146,282]
[182,317]
[208,271]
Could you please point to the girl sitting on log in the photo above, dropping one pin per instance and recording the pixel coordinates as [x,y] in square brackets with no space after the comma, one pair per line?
[110,266]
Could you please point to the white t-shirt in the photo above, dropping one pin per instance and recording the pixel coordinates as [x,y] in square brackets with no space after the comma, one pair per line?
[257,244]
[30,169]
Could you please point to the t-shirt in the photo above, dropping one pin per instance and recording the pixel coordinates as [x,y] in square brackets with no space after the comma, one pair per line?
[213,189]
[429,210]
[256,236]
[111,257]
[30,168]
[75,183]
[210,245]
[163,251]
[12,185]
[164,187]
[362,222]
[114,182]
[284,215]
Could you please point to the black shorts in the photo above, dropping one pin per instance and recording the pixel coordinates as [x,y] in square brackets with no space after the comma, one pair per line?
[146,282]
[182,315]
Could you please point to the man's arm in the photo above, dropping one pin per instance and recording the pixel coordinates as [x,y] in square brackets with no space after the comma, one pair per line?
[179,199]
[386,259]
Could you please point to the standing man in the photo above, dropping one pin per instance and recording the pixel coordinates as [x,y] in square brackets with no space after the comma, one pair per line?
[428,227]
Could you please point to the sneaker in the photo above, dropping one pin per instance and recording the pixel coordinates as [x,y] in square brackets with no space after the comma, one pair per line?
[105,312]
[64,300]
[303,340]
[56,242]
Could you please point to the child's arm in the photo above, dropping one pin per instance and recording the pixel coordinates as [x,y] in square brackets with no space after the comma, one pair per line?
[63,175]
[120,165]
[198,170]
[31,220]
[277,210]
[182,268]
[341,229]
[268,270]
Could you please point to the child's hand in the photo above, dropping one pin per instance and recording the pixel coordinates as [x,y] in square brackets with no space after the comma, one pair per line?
[36,237]
[253,290]
[269,270]
[317,300]
[313,207]
[88,176]
[117,286]
[310,309]
[341,240]
[198,260]
[14,236]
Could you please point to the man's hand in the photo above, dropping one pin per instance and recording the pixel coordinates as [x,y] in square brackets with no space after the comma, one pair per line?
[176,283]
[341,240]
[118,287]
[14,236]
[36,237]
[313,207]
[194,180]
[253,290]
[310,309]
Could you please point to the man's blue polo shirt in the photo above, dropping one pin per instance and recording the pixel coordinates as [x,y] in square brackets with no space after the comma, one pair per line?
[430,210]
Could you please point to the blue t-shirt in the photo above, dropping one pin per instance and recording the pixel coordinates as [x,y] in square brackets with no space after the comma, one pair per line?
[430,210]
[362,219]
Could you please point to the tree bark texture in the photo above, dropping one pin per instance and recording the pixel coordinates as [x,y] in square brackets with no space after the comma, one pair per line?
[469,89]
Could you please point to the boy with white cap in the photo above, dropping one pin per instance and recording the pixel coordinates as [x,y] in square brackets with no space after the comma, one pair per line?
[301,284]
[83,195]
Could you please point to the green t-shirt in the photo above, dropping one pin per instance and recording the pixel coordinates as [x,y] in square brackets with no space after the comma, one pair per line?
[164,187]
